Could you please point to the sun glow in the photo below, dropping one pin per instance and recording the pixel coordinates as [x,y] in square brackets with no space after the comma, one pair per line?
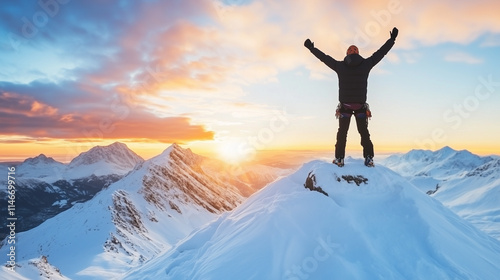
[233,152]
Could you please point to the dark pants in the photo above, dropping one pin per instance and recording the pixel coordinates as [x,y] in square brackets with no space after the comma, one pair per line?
[361,123]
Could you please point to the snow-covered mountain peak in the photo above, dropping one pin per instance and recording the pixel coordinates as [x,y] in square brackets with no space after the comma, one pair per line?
[369,225]
[177,171]
[114,153]
[163,158]
[177,155]
[438,164]
[40,167]
[116,158]
[144,213]
[40,159]
[445,151]
[365,223]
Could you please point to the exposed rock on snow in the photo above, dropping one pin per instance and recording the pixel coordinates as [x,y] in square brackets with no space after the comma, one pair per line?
[146,212]
[379,228]
[46,270]
[58,187]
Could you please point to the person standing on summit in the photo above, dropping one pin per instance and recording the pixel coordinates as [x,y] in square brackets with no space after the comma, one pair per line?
[353,80]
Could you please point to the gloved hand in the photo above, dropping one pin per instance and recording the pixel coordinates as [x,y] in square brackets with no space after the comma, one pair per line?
[308,44]
[394,33]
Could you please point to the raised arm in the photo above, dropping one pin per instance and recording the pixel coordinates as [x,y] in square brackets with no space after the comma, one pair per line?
[378,55]
[328,60]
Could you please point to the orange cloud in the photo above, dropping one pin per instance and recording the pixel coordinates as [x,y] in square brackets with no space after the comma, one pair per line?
[167,130]
[32,119]
[242,44]
[269,36]
[13,103]
[38,108]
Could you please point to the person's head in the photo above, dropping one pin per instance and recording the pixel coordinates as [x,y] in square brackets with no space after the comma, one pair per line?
[352,49]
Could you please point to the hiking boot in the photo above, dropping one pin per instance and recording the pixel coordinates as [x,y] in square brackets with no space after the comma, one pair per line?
[339,162]
[369,161]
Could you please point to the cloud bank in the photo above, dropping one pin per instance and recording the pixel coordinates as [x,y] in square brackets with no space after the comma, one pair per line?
[119,70]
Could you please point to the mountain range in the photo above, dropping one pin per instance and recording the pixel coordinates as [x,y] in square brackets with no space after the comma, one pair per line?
[57,186]
[419,215]
[466,183]
[158,202]
[326,222]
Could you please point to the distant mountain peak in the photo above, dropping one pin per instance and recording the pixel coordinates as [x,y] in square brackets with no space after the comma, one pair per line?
[102,152]
[40,166]
[105,152]
[176,146]
[446,149]
[116,158]
[157,203]
[175,153]
[40,159]
[118,144]
[439,164]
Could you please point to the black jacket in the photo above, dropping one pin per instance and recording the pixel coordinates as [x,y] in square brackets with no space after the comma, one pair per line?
[353,72]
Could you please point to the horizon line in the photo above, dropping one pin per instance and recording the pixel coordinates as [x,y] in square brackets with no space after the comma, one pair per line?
[354,152]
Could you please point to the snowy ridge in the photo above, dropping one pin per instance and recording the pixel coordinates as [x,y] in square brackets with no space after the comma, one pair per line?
[114,159]
[186,180]
[475,197]
[58,186]
[161,201]
[466,183]
[438,164]
[490,168]
[373,224]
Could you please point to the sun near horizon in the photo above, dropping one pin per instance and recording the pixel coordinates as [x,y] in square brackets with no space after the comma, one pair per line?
[231,153]
[231,79]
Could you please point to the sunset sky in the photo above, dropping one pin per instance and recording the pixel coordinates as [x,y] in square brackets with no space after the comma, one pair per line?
[231,77]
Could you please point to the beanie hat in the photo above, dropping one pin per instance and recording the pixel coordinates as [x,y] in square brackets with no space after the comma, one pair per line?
[352,49]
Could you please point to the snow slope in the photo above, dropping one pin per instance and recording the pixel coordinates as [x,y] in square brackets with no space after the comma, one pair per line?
[373,224]
[466,183]
[57,186]
[475,197]
[161,201]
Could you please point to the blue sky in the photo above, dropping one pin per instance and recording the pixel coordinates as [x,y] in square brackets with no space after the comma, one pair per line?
[233,77]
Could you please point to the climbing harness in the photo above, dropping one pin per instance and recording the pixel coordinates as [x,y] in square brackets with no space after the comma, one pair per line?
[353,107]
